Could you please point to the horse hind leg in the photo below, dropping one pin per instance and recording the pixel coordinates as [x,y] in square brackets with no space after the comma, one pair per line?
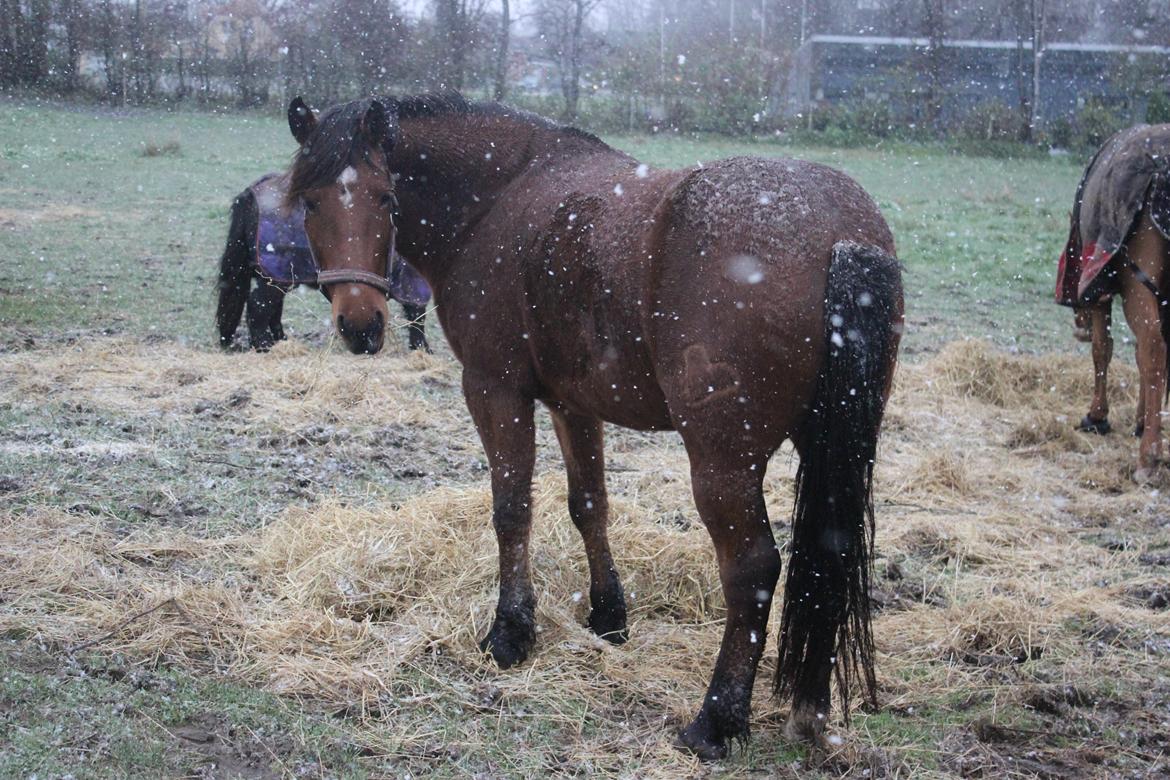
[264,307]
[730,500]
[1148,250]
[581,443]
[1100,330]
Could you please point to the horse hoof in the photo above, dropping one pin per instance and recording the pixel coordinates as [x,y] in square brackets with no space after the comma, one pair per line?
[698,738]
[806,725]
[509,642]
[1139,430]
[1089,425]
[617,635]
[609,623]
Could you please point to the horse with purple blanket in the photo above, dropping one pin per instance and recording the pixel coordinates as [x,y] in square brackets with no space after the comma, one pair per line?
[267,242]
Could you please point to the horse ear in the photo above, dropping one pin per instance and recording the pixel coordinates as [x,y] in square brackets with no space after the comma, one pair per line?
[380,126]
[301,120]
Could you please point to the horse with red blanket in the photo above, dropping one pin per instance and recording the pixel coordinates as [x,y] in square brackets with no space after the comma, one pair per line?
[1119,244]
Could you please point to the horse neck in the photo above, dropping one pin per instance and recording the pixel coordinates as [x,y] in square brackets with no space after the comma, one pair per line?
[452,168]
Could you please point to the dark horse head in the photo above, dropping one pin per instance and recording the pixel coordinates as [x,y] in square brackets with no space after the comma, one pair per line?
[341,176]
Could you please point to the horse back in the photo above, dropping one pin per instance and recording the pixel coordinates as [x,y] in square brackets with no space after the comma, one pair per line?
[619,289]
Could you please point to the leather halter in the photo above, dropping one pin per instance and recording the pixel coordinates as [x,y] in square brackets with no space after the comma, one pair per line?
[358,276]
[374,280]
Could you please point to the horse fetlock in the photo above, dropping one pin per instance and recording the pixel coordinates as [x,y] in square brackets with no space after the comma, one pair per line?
[511,638]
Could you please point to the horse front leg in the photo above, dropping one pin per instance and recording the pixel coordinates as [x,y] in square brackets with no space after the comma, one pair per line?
[504,420]
[731,504]
[275,323]
[582,445]
[265,301]
[416,330]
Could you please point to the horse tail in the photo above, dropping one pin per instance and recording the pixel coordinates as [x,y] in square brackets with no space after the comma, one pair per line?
[826,595]
[236,267]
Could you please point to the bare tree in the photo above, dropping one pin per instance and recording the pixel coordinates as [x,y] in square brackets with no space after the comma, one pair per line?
[934,26]
[1030,23]
[456,25]
[500,89]
[9,26]
[563,24]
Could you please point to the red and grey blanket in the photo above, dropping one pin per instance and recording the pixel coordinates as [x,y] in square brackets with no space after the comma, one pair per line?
[1131,171]
[283,254]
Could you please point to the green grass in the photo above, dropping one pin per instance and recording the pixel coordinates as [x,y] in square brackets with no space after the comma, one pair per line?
[98,236]
[97,717]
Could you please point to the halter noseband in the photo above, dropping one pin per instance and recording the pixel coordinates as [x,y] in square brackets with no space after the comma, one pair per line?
[374,280]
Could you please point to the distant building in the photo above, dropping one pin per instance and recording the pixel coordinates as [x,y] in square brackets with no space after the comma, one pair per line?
[836,69]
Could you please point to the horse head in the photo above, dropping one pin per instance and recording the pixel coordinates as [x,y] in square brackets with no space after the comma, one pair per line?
[342,177]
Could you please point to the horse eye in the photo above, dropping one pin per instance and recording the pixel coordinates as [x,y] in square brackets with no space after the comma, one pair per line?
[310,205]
[387,199]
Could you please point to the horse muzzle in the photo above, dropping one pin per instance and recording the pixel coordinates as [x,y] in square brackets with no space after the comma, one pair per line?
[362,339]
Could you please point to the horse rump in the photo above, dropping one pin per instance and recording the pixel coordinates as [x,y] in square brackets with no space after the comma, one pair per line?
[826,615]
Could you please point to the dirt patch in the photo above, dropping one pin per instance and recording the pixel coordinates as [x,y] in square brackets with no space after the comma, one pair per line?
[228,754]
[1154,595]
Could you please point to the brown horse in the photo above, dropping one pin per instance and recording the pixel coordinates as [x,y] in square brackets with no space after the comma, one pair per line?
[742,304]
[1119,244]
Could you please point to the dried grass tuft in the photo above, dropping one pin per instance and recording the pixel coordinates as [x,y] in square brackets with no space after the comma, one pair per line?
[168,148]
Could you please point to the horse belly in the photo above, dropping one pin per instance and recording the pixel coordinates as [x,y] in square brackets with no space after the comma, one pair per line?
[590,366]
[589,351]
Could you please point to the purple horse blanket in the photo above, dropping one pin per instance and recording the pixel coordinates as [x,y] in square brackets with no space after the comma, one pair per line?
[284,257]
[1130,172]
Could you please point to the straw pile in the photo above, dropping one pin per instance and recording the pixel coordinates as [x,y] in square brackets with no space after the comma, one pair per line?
[996,576]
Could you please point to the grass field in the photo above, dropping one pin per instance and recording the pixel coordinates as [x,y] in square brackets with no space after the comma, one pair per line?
[241,565]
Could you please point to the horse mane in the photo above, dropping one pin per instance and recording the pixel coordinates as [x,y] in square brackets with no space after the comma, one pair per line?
[435,104]
[337,141]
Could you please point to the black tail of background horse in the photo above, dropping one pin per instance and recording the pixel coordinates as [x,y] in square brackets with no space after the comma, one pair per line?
[826,618]
[236,267]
